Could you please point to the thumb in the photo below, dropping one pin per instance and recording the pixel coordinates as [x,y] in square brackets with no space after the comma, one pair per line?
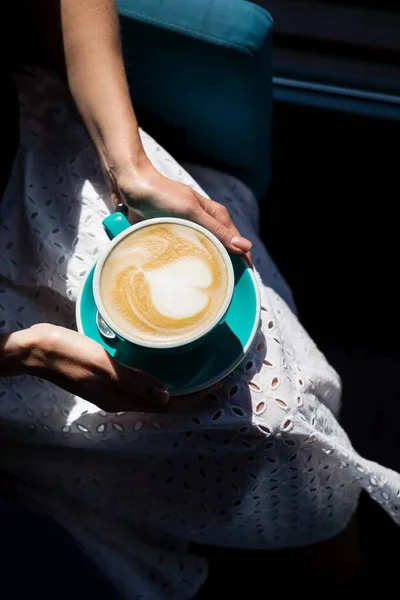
[141,385]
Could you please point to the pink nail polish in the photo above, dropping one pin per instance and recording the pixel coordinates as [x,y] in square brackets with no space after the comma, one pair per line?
[160,395]
[241,243]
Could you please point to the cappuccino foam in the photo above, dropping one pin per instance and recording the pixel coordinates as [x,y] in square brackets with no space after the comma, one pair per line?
[165,282]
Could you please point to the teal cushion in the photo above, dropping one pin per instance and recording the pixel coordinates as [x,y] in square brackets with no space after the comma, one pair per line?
[204,66]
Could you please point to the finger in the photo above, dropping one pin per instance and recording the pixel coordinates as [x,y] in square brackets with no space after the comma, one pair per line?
[232,242]
[248,258]
[222,215]
[110,396]
[139,384]
[219,211]
[197,395]
[223,226]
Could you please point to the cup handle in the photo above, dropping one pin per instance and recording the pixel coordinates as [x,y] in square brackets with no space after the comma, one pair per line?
[115,224]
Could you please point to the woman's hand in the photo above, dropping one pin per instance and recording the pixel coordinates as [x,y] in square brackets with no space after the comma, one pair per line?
[80,366]
[147,185]
[88,34]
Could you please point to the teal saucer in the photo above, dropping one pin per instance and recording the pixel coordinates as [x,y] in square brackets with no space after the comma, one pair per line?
[189,371]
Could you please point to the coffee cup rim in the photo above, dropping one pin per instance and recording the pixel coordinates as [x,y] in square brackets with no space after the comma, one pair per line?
[163,345]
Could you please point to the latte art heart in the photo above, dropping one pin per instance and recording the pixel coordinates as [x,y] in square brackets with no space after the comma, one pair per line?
[163,282]
[188,296]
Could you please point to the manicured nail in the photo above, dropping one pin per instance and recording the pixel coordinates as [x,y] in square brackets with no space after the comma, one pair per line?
[160,395]
[241,243]
[249,260]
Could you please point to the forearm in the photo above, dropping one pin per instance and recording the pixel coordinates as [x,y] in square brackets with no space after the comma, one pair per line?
[91,49]
[97,80]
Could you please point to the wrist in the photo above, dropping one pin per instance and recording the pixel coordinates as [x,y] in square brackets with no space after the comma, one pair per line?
[123,152]
[135,178]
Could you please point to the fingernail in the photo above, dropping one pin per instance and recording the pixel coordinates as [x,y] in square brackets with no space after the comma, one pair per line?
[241,243]
[160,395]
[249,260]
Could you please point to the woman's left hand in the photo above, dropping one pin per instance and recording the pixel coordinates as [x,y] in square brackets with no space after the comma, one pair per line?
[147,185]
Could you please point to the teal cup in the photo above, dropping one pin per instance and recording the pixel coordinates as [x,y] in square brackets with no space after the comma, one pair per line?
[188,368]
[118,228]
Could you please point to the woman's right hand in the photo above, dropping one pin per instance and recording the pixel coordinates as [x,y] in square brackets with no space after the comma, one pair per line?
[80,366]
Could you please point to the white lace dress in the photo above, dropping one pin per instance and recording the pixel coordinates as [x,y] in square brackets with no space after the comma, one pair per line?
[264,464]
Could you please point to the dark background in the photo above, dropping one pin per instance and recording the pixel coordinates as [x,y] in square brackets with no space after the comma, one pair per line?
[330,221]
